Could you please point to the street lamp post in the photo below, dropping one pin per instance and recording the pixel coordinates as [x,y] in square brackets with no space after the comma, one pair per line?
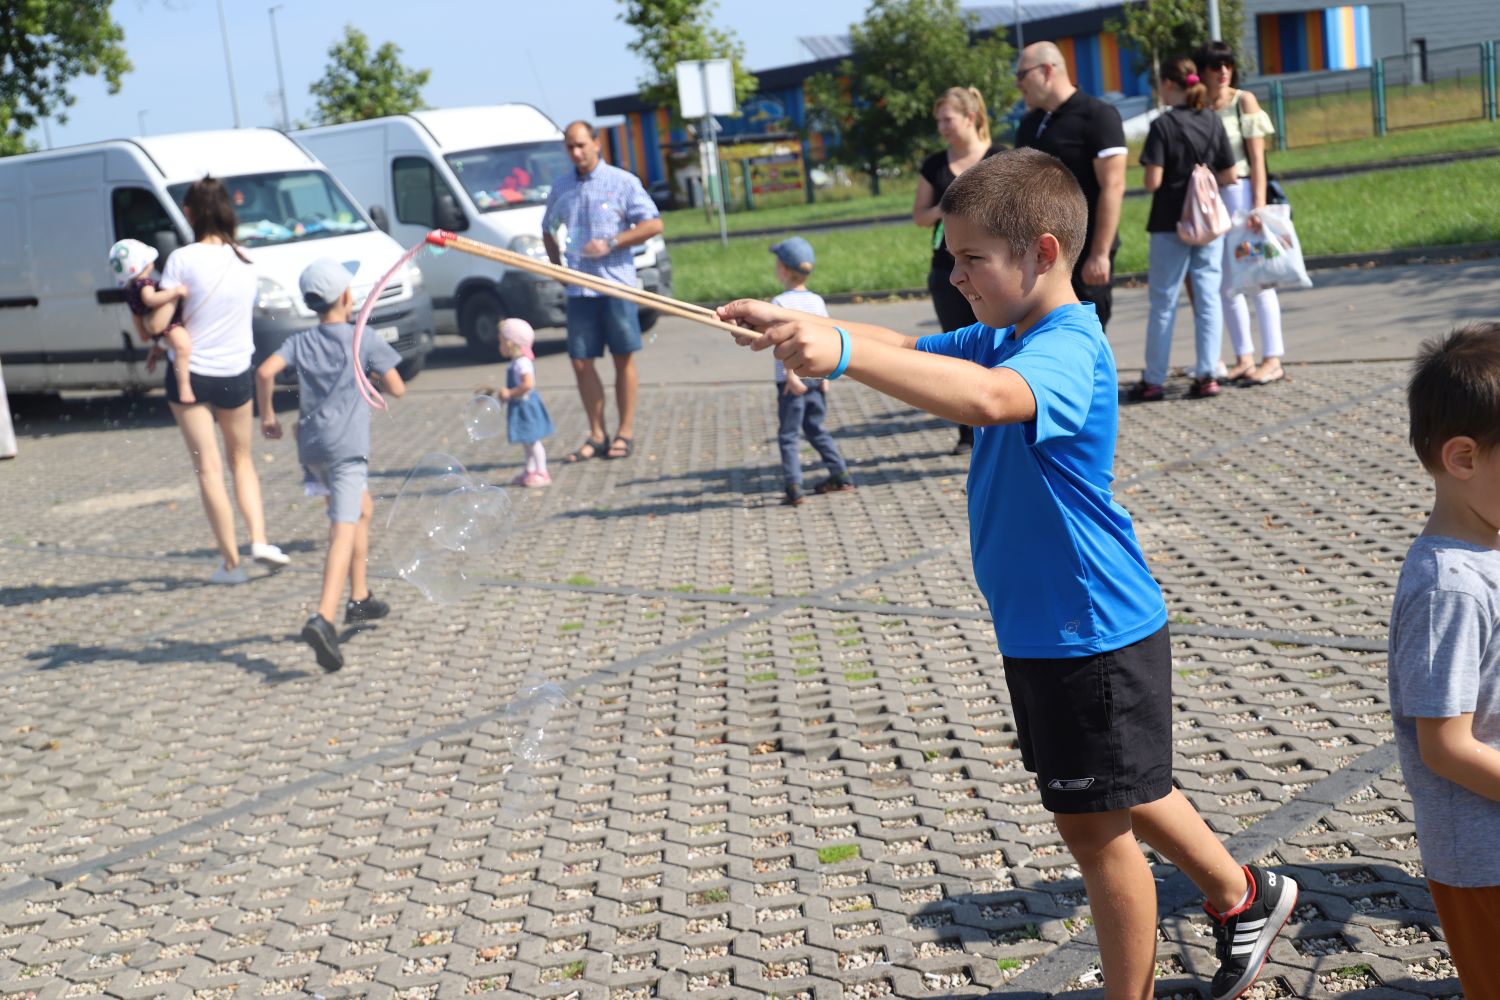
[141,117]
[1213,23]
[234,98]
[286,118]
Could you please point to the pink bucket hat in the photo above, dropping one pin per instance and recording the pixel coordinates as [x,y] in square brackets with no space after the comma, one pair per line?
[520,333]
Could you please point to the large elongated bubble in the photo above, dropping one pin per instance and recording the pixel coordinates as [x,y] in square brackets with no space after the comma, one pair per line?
[483,417]
[446,529]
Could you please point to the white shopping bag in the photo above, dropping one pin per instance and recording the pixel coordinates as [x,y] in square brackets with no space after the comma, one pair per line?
[1271,258]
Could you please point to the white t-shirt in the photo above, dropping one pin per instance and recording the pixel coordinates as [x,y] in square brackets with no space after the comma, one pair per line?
[221,298]
[803,301]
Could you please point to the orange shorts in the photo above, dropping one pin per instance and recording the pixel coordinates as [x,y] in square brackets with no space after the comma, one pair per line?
[1471,923]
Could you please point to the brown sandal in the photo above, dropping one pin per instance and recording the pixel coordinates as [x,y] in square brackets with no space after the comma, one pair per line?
[596,449]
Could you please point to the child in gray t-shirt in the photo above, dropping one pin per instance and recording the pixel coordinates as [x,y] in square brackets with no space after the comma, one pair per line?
[333,442]
[1445,646]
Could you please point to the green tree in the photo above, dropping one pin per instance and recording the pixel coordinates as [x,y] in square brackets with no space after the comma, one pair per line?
[358,84]
[905,54]
[671,31]
[1160,29]
[44,46]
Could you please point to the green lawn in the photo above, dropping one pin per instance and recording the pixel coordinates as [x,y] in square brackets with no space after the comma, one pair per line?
[1378,211]
[897,193]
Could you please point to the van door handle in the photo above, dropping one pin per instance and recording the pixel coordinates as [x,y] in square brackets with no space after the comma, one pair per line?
[110,296]
[24,302]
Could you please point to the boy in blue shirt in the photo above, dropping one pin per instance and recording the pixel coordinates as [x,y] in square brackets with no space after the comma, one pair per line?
[1081,624]
[333,442]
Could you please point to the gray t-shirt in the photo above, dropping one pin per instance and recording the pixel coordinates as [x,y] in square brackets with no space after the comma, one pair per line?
[334,423]
[1445,661]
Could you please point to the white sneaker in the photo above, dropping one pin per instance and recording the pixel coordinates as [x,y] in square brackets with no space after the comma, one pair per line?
[268,555]
[223,574]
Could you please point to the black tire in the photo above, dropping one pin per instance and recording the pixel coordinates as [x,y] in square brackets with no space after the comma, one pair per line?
[411,367]
[479,319]
[648,319]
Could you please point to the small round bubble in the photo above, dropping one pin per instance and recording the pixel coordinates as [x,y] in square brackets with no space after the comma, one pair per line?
[483,417]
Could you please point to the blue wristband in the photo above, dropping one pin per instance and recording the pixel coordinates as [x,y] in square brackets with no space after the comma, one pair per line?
[846,346]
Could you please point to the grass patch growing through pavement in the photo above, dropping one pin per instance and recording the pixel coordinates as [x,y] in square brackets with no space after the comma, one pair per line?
[834,853]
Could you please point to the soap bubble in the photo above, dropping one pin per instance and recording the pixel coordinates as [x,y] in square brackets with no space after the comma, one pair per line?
[446,530]
[483,417]
[546,721]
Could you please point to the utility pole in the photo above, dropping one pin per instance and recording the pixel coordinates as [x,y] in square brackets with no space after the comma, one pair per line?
[141,118]
[234,98]
[286,118]
[1213,25]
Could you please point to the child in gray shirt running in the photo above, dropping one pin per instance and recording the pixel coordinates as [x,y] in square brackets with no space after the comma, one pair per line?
[333,442]
[1445,647]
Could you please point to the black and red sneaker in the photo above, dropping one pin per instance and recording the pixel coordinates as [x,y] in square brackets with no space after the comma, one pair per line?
[1243,936]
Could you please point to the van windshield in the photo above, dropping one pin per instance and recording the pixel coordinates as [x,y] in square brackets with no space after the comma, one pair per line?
[286,207]
[502,177]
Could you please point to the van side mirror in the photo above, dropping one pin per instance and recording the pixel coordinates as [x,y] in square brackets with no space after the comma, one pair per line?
[166,242]
[381,220]
[447,214]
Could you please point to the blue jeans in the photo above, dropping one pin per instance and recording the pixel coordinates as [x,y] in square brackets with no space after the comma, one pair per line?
[1170,260]
[804,415]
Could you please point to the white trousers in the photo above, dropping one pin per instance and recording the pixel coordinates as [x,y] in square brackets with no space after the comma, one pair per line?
[1239,198]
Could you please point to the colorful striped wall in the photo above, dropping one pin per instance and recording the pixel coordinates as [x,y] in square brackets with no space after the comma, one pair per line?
[1307,41]
[1099,65]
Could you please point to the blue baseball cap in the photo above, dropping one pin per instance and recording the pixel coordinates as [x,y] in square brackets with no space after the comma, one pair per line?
[796,253]
[324,281]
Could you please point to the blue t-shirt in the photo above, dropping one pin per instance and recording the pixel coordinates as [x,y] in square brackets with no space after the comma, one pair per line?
[334,421]
[1054,555]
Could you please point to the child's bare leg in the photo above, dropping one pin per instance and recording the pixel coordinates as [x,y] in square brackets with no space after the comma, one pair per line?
[341,537]
[182,345]
[1175,830]
[359,581]
[1122,898]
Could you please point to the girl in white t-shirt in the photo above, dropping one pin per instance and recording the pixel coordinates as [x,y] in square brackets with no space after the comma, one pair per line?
[221,289]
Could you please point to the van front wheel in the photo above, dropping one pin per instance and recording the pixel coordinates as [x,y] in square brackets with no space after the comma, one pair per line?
[479,320]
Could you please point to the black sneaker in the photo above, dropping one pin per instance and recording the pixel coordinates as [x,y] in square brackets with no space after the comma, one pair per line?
[835,484]
[367,610]
[1243,936]
[794,495]
[319,634]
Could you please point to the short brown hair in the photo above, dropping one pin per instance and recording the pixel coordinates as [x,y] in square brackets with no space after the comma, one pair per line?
[1019,194]
[1455,391]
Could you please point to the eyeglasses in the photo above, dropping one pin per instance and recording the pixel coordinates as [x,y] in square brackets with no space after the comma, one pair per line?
[1021,73]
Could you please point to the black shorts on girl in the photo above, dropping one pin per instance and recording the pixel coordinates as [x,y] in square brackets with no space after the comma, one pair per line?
[1096,730]
[226,392]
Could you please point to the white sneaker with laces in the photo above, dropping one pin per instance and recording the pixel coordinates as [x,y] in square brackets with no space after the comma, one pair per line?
[223,574]
[268,555]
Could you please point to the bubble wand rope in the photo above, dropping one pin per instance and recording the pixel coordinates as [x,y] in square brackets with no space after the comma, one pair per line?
[361,380]
[568,276]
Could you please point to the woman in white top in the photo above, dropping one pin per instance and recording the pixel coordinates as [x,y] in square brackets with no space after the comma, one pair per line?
[1247,125]
[221,286]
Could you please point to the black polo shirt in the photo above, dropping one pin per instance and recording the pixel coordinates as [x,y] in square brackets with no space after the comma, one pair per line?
[1076,133]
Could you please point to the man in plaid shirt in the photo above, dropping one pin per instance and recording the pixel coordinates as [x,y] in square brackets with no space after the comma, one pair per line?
[594,216]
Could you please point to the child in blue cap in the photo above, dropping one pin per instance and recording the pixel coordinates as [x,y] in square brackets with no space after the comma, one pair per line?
[802,405]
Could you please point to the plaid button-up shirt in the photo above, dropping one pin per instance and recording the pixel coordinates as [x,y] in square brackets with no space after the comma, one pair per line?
[599,205]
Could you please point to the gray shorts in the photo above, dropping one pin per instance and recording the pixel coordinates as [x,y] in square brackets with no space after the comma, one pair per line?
[345,482]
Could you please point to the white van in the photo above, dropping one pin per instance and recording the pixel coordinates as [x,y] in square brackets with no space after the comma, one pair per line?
[63,322]
[484,172]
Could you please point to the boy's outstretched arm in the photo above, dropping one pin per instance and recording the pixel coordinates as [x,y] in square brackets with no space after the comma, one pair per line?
[265,391]
[391,382]
[885,360]
[1449,748]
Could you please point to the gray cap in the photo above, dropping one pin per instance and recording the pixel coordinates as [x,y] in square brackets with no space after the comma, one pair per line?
[323,281]
[796,253]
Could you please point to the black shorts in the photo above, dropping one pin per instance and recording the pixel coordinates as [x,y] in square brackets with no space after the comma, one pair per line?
[222,392]
[1097,730]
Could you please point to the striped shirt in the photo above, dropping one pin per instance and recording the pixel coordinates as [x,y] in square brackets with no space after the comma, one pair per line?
[803,301]
[600,205]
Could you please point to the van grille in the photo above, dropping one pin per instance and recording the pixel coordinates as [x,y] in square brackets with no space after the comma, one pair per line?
[391,291]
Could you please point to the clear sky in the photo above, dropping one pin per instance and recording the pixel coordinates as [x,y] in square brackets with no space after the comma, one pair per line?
[557,54]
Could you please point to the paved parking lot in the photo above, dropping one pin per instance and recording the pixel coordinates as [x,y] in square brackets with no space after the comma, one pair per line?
[794,772]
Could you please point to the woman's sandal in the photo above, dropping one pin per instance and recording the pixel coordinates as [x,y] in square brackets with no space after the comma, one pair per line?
[596,449]
[620,447]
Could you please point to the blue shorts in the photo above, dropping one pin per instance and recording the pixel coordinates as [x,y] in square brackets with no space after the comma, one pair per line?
[598,320]
[344,482]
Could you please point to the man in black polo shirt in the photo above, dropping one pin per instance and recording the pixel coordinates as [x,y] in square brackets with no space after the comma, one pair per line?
[1086,135]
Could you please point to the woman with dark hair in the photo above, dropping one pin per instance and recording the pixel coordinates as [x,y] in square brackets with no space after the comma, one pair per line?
[964,125]
[221,294]
[1247,126]
[1186,134]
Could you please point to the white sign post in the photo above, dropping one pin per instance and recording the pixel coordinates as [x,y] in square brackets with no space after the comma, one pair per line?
[705,87]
